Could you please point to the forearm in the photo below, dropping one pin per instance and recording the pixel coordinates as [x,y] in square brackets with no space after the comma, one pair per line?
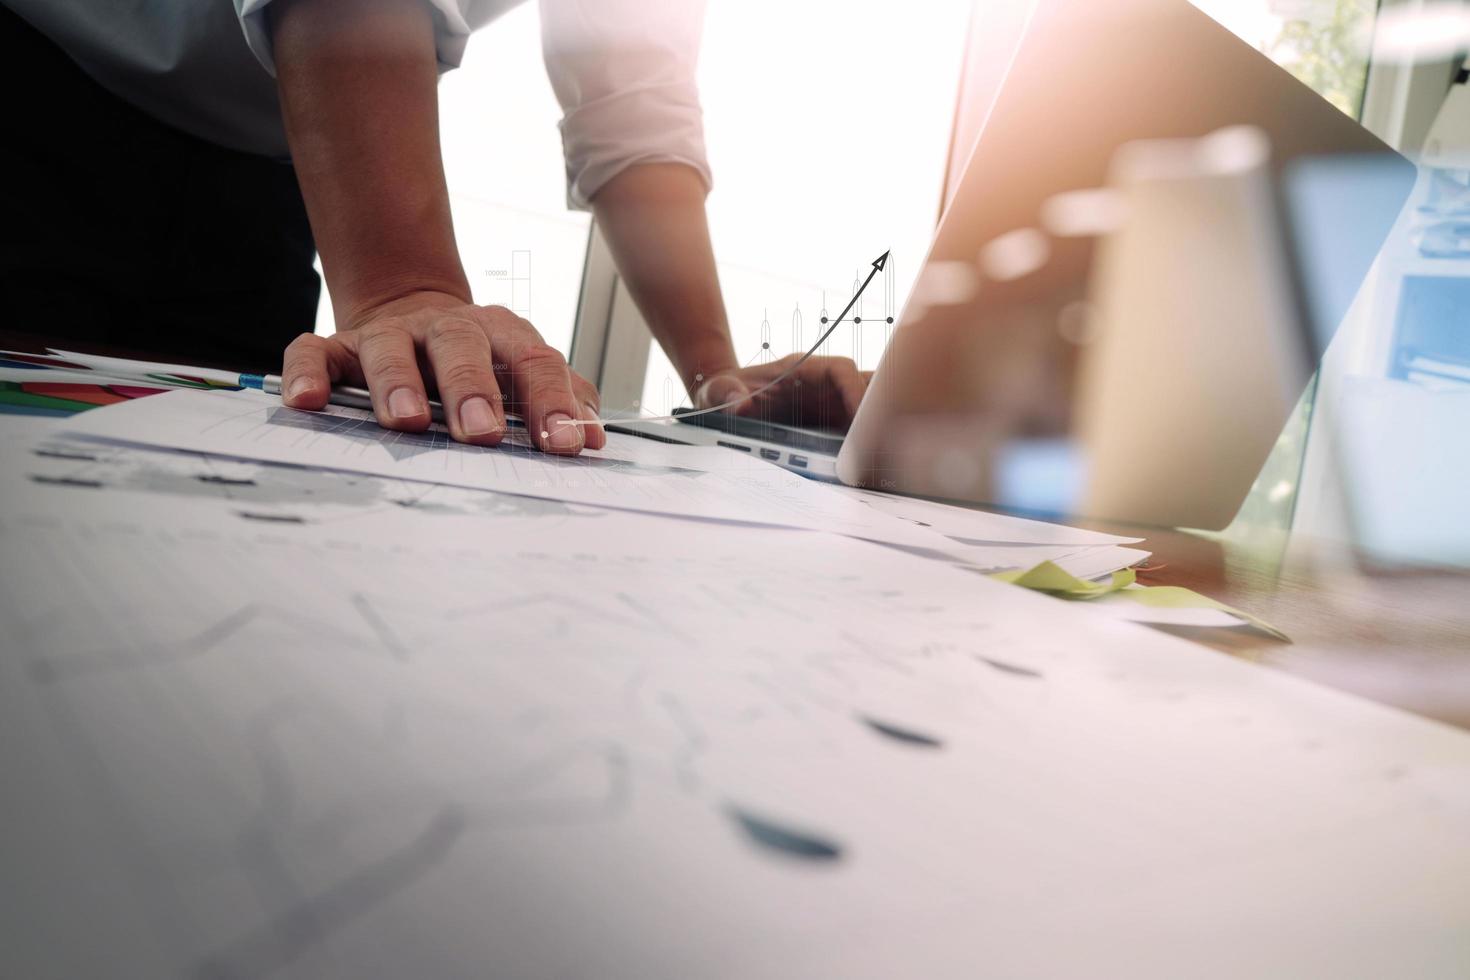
[653,218]
[358,91]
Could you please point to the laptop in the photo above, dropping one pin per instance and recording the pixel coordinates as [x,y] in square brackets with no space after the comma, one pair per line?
[810,452]
[995,387]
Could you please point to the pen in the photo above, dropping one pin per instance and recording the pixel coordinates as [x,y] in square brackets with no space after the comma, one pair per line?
[344,396]
[348,396]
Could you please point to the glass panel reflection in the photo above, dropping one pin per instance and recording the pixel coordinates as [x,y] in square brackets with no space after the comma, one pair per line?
[1392,425]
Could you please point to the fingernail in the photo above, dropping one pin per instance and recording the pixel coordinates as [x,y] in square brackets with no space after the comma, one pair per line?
[405,403]
[560,435]
[299,387]
[476,417]
[591,412]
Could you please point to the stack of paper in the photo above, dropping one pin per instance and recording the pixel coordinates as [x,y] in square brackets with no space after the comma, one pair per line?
[277,720]
[630,474]
[655,478]
[999,542]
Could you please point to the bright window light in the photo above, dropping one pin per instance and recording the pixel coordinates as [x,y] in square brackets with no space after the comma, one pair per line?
[828,124]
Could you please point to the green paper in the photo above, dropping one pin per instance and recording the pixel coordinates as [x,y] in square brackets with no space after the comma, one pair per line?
[1054,580]
[11,394]
[1051,578]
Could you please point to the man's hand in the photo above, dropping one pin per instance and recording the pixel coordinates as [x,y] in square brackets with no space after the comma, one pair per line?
[357,82]
[823,392]
[478,359]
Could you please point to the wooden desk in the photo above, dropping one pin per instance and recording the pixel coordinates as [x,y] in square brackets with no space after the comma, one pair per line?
[1397,637]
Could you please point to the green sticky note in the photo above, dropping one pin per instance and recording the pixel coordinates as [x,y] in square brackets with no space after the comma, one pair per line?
[1054,580]
[1051,578]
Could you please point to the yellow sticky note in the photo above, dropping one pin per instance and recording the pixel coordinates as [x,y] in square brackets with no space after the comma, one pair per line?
[1051,578]
[1057,581]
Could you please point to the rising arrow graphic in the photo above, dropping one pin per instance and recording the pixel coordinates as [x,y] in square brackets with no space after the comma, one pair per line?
[878,265]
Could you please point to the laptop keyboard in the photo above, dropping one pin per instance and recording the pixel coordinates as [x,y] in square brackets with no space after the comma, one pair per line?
[807,440]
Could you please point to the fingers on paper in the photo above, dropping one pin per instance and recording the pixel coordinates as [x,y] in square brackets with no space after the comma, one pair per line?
[389,362]
[460,354]
[536,380]
[311,365]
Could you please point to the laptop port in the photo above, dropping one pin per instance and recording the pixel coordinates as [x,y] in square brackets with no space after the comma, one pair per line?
[772,454]
[796,460]
[732,445]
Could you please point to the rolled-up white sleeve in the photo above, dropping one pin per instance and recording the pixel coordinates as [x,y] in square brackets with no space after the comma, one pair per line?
[624,72]
[452,27]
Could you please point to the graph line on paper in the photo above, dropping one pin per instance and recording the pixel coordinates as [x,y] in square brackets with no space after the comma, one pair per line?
[258,489]
[403,446]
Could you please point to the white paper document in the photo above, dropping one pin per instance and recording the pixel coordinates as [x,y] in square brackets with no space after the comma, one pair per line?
[631,474]
[32,375]
[1119,606]
[1085,561]
[975,526]
[262,720]
[992,542]
[1096,561]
